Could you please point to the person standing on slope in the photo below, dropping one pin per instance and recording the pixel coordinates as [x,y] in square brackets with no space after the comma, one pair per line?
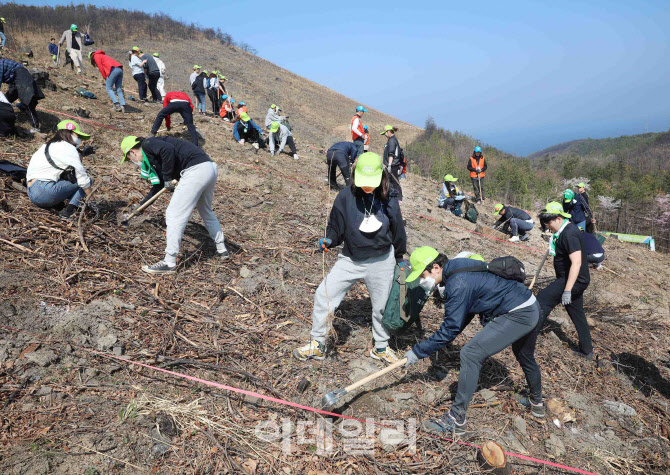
[22,85]
[357,130]
[285,136]
[368,222]
[153,73]
[188,172]
[112,72]
[73,41]
[137,70]
[53,51]
[213,92]
[341,155]
[160,85]
[366,139]
[393,160]
[477,166]
[180,103]
[198,87]
[576,206]
[3,38]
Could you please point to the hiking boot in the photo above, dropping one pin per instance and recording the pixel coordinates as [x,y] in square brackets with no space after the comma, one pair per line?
[387,354]
[255,145]
[223,255]
[525,237]
[514,239]
[119,108]
[311,351]
[68,212]
[539,411]
[295,156]
[160,267]
[587,357]
[444,425]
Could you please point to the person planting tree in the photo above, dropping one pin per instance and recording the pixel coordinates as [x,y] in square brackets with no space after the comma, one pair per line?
[273,116]
[22,86]
[283,136]
[451,198]
[246,130]
[576,207]
[191,175]
[367,221]
[513,221]
[112,72]
[179,103]
[340,155]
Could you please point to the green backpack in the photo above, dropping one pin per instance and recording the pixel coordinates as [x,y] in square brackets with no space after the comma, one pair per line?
[398,318]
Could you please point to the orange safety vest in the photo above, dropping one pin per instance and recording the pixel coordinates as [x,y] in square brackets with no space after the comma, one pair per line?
[360,127]
[366,139]
[473,164]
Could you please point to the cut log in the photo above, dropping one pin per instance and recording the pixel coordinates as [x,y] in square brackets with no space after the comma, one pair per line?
[492,459]
[489,231]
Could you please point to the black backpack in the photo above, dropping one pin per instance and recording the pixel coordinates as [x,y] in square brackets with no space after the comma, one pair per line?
[507,267]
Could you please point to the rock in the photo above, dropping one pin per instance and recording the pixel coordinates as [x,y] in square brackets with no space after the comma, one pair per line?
[107,341]
[554,446]
[42,357]
[43,391]
[488,395]
[161,443]
[554,338]
[618,408]
[118,350]
[520,425]
[562,321]
[166,425]
[302,385]
[390,438]
[513,443]
[400,397]
[137,241]
[245,272]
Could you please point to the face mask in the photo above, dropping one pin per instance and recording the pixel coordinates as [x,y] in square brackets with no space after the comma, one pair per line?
[427,283]
[76,140]
[442,289]
[370,224]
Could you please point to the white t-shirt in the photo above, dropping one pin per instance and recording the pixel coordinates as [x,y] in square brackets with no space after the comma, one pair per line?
[135,65]
[63,155]
[3,98]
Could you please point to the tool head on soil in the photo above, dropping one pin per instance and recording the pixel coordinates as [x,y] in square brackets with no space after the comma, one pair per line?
[330,399]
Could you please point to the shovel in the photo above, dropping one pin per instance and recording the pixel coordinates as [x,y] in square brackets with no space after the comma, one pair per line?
[537,273]
[143,207]
[332,397]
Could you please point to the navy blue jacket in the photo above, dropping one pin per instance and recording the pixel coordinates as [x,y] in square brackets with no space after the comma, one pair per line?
[347,215]
[468,294]
[577,208]
[348,148]
[512,212]
[591,244]
[7,70]
[53,49]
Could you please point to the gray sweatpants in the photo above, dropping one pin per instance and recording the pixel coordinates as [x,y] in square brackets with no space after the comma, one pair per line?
[376,272]
[195,190]
[508,329]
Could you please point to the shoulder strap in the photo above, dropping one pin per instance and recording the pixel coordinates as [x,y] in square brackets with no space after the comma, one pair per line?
[479,268]
[403,296]
[51,162]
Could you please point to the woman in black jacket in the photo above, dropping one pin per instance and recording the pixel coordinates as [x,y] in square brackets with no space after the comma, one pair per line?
[393,160]
[366,220]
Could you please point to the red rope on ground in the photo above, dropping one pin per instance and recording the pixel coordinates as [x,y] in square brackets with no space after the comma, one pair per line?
[282,401]
[79,119]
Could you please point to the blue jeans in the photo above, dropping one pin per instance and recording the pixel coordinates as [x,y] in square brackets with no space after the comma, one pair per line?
[202,105]
[115,81]
[519,226]
[4,39]
[48,194]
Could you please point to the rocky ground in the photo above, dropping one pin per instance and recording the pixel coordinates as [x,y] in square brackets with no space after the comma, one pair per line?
[68,289]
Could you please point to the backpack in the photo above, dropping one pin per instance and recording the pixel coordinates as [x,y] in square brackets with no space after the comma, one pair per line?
[405,302]
[471,214]
[507,267]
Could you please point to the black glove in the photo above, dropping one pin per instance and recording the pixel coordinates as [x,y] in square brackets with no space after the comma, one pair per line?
[87,150]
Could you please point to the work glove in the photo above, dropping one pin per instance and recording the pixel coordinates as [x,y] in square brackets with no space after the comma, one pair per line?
[324,244]
[411,358]
[171,185]
[241,141]
[87,150]
[566,299]
[479,169]
[404,264]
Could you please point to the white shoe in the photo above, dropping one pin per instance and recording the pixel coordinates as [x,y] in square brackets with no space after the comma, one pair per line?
[255,145]
[226,119]
[33,131]
[387,355]
[514,239]
[295,156]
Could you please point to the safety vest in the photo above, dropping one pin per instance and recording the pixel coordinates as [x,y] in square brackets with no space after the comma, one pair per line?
[366,139]
[359,128]
[473,164]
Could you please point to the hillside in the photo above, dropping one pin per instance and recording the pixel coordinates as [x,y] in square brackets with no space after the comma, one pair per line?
[78,318]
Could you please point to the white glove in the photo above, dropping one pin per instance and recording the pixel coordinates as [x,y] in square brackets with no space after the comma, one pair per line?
[241,140]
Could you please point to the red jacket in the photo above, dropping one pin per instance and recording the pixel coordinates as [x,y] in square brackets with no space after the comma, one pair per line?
[105,63]
[172,96]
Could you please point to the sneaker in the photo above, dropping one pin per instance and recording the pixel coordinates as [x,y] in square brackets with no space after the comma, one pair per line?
[226,119]
[588,357]
[34,130]
[256,146]
[599,267]
[223,255]
[241,141]
[525,237]
[311,351]
[514,239]
[160,267]
[295,156]
[387,354]
[68,212]
[444,425]
[119,108]
[538,411]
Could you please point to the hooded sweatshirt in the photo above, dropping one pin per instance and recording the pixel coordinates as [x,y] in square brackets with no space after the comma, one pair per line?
[284,134]
[105,63]
[273,116]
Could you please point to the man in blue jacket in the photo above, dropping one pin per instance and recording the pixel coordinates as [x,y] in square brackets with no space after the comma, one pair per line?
[340,155]
[576,206]
[508,312]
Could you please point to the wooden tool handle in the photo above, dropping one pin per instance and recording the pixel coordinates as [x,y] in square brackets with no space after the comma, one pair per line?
[544,259]
[376,375]
[148,203]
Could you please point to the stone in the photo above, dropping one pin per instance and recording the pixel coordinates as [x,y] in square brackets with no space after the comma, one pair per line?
[514,444]
[400,397]
[118,350]
[245,272]
[554,338]
[42,357]
[555,446]
[107,341]
[488,395]
[137,241]
[520,425]
[618,408]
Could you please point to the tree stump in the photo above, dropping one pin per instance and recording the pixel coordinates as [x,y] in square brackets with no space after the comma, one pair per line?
[492,459]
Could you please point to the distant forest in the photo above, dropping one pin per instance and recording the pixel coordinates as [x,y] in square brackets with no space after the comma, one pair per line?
[628,178]
[106,24]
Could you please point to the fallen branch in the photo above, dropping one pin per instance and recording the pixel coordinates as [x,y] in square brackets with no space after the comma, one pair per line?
[80,228]
[17,246]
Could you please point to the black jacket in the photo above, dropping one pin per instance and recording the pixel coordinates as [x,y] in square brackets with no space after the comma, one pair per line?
[392,155]
[169,157]
[511,212]
[347,148]
[198,85]
[346,217]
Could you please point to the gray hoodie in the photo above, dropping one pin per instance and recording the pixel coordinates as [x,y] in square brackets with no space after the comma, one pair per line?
[273,116]
[284,134]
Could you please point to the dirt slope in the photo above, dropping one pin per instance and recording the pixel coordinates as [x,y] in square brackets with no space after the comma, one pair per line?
[67,410]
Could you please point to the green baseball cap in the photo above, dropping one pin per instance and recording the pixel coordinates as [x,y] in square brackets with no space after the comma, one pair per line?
[581,185]
[498,208]
[368,170]
[450,178]
[73,27]
[72,126]
[245,117]
[419,259]
[274,127]
[568,195]
[555,207]
[2,20]
[127,144]
[273,106]
[155,55]
[477,257]
[386,129]
[90,53]
[195,66]
[136,48]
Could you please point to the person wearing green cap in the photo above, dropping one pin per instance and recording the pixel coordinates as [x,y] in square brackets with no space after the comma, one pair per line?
[572,274]
[508,311]
[55,172]
[152,72]
[137,70]
[185,169]
[160,85]
[280,134]
[576,206]
[198,83]
[513,221]
[273,116]
[213,91]
[368,223]
[246,130]
[451,197]
[22,86]
[73,42]
[394,160]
